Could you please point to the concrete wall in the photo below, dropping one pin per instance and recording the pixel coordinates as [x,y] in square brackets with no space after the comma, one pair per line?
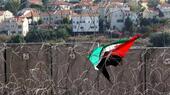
[64,70]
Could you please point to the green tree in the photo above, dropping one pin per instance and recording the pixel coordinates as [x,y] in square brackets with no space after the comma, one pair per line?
[145,22]
[66,20]
[62,33]
[45,2]
[13,6]
[47,35]
[23,4]
[38,36]
[145,30]
[40,21]
[164,21]
[1,4]
[101,25]
[160,39]
[17,39]
[128,24]
[68,28]
[153,3]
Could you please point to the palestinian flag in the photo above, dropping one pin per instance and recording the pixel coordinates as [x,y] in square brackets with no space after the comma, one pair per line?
[111,54]
[97,53]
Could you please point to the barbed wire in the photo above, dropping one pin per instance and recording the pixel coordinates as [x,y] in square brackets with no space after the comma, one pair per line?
[70,77]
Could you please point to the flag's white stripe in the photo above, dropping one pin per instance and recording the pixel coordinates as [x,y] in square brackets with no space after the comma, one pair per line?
[109,48]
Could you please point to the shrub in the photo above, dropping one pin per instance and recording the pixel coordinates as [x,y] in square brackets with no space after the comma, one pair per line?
[4,38]
[46,35]
[160,39]
[38,36]
[17,39]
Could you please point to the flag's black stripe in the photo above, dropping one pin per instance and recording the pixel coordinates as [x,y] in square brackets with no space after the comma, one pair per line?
[112,60]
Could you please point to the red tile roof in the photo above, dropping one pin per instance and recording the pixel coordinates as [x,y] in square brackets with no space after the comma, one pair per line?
[63,12]
[30,13]
[57,12]
[95,7]
[86,1]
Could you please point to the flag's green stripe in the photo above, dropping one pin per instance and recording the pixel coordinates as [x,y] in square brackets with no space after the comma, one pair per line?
[95,55]
[118,42]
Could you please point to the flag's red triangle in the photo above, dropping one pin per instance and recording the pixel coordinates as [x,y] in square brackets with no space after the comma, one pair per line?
[122,49]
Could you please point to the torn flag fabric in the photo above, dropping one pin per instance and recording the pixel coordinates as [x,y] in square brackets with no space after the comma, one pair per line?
[111,54]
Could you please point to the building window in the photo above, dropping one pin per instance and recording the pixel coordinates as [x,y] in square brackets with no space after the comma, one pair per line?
[119,20]
[75,27]
[81,27]
[19,26]
[12,26]
[13,32]
[82,21]
[91,27]
[19,32]
[114,27]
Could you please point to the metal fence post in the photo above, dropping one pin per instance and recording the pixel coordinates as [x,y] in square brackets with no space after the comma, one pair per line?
[5,68]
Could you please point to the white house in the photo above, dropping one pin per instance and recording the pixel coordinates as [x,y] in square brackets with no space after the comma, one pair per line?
[5,15]
[165,10]
[50,18]
[17,25]
[117,15]
[85,23]
[55,17]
